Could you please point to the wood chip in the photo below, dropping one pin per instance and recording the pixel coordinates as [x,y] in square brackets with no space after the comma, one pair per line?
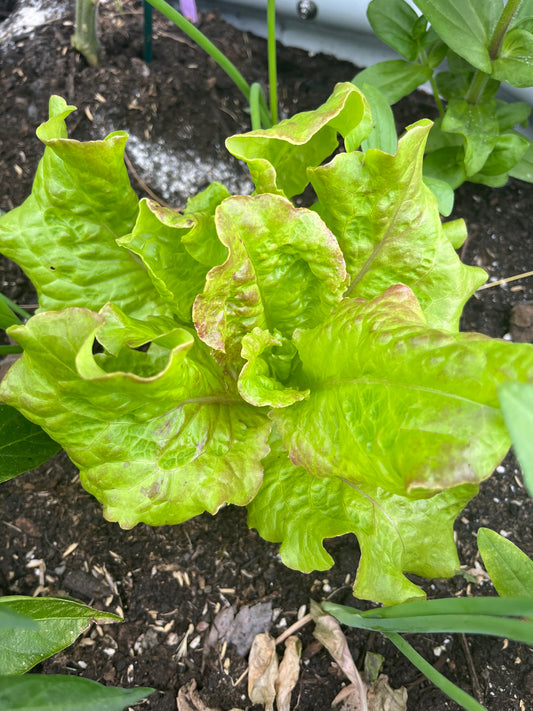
[70,549]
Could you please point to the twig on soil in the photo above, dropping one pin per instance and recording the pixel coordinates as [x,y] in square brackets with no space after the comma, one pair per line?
[141,182]
[504,281]
[471,668]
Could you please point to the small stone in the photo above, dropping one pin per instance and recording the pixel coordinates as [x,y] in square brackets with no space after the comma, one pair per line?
[521,322]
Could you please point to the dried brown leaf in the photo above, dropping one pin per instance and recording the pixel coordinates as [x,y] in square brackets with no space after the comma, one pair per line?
[328,632]
[189,699]
[289,671]
[382,698]
[263,671]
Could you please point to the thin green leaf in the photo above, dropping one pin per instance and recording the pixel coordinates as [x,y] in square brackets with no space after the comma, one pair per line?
[510,569]
[524,169]
[519,630]
[440,681]
[9,619]
[59,622]
[395,78]
[7,316]
[23,445]
[393,21]
[517,405]
[54,692]
[478,125]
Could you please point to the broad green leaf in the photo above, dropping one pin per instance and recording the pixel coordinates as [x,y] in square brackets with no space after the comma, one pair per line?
[388,226]
[395,78]
[271,358]
[202,241]
[119,330]
[383,136]
[456,232]
[9,619]
[465,25]
[23,445]
[508,151]
[397,404]
[478,125]
[156,239]
[510,115]
[514,63]
[517,406]
[55,692]
[393,21]
[524,169]
[443,194]
[64,235]
[396,534]
[278,157]
[446,164]
[58,622]
[158,436]
[284,270]
[510,569]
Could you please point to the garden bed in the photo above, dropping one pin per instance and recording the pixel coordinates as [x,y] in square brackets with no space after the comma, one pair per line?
[171,582]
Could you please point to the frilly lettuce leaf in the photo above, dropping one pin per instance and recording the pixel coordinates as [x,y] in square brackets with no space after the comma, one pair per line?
[202,241]
[397,404]
[158,436]
[156,239]
[388,226]
[271,360]
[64,235]
[278,157]
[284,270]
[396,534]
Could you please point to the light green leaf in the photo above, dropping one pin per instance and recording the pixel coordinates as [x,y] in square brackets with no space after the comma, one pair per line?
[511,115]
[456,232]
[202,241]
[158,436]
[397,404]
[285,270]
[278,157]
[9,619]
[23,445]
[58,622]
[157,239]
[64,235]
[396,534]
[446,164]
[508,151]
[270,359]
[443,194]
[383,136]
[388,226]
[478,125]
[514,63]
[524,169]
[517,405]
[510,569]
[55,692]
[395,78]
[465,25]
[393,21]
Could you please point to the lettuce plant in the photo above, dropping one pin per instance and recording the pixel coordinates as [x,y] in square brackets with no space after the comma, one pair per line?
[303,362]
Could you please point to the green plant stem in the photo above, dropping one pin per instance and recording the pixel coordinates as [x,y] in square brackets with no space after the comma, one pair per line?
[436,96]
[255,105]
[206,44]
[444,684]
[480,79]
[272,65]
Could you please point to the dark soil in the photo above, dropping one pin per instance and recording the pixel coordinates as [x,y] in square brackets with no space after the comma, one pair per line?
[170,582]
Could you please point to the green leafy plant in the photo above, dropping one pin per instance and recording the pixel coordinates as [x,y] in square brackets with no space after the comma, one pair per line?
[484,44]
[510,616]
[33,629]
[305,363]
[517,406]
